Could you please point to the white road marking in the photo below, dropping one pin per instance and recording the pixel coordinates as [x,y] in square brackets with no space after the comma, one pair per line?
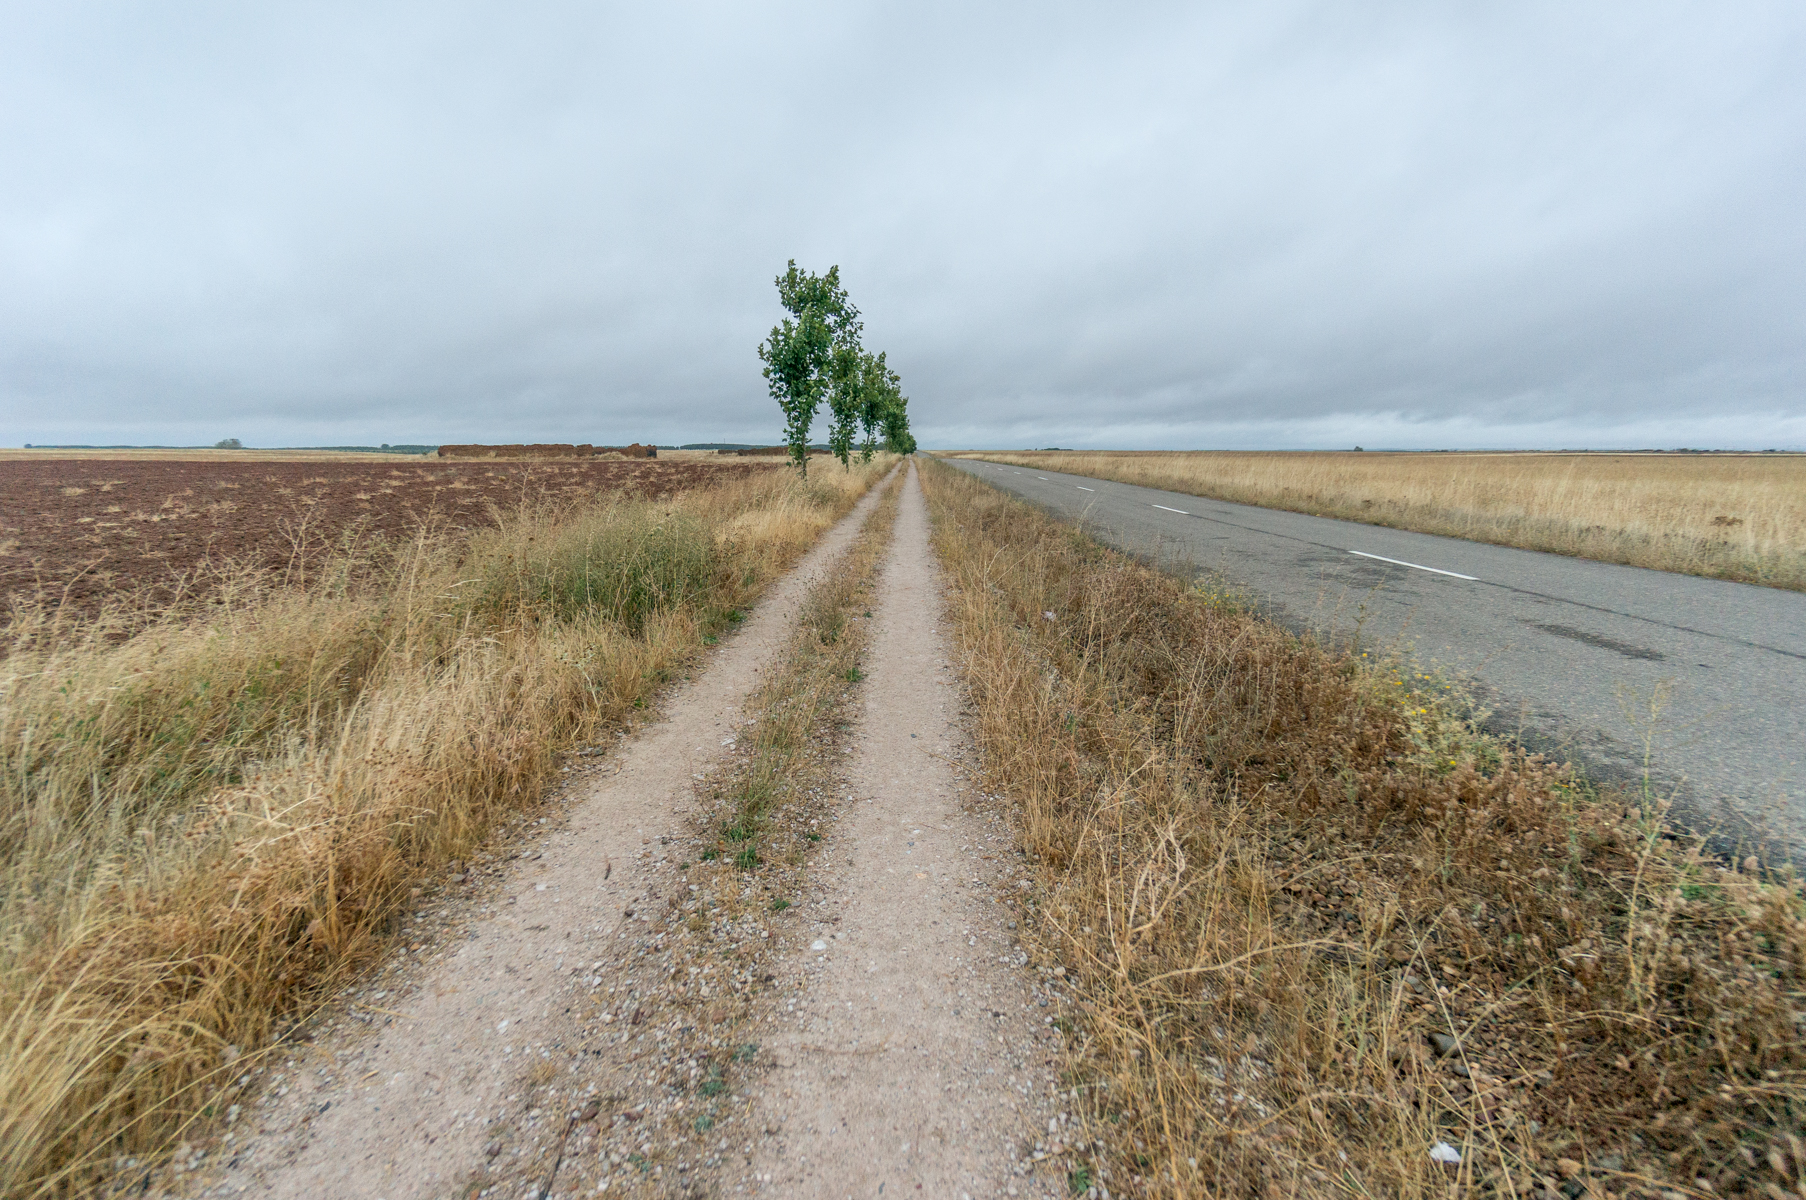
[1180,511]
[1083,488]
[1042,478]
[1414,566]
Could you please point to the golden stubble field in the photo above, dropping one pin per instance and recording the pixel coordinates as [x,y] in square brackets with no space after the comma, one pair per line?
[1727,516]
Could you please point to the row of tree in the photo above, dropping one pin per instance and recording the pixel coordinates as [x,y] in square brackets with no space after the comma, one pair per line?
[814,354]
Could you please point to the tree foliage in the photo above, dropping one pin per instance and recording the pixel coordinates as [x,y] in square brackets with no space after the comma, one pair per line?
[815,353]
[800,353]
[883,407]
[846,388]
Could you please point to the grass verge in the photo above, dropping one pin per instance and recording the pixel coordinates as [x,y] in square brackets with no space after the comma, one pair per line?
[1740,517]
[208,820]
[1325,937]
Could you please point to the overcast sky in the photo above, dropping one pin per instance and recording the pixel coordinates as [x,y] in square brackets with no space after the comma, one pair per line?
[1140,225]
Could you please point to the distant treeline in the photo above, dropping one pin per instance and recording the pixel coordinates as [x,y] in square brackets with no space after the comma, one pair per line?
[757,451]
[548,450]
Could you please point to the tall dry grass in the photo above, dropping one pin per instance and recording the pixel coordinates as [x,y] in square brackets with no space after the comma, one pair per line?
[1740,517]
[1316,926]
[210,816]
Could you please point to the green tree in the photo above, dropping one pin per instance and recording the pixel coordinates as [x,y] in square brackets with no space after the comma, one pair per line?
[800,355]
[874,384]
[815,354]
[897,438]
[846,397]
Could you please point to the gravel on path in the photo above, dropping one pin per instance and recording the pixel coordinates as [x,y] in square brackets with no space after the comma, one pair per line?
[922,1058]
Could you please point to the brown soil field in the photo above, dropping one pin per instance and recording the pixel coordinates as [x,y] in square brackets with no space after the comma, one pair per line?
[75,531]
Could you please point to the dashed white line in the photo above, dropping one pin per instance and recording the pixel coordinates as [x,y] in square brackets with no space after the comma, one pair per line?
[1083,488]
[1414,566]
[1180,511]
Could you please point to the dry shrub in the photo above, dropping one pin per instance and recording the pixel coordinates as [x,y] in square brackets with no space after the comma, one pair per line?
[208,819]
[1277,878]
[1730,516]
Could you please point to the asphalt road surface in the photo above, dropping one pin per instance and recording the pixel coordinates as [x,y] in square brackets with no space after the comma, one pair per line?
[1611,667]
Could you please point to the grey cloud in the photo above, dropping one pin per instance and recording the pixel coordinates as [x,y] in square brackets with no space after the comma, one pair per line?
[1251,224]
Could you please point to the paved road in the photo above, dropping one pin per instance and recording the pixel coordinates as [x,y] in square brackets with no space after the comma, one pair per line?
[1568,654]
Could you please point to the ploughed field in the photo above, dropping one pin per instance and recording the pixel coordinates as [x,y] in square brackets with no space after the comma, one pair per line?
[75,531]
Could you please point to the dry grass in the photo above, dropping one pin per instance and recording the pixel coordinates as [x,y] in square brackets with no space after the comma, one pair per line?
[1275,878]
[208,820]
[1740,517]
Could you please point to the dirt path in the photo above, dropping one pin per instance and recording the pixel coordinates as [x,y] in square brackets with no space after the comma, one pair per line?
[920,1057]
[405,1111]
